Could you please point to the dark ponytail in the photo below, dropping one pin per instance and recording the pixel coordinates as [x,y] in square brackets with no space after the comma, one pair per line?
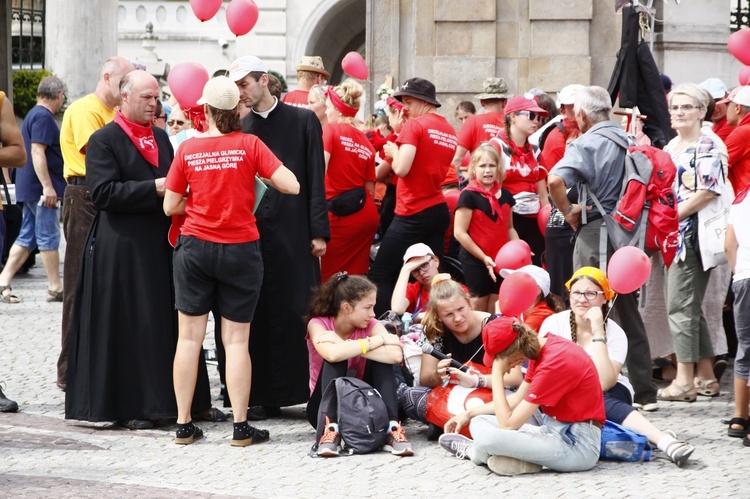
[341,287]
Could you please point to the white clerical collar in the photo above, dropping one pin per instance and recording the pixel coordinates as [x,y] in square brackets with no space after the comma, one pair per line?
[265,114]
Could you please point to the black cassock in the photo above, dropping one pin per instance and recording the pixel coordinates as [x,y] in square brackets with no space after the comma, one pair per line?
[124,329]
[286,225]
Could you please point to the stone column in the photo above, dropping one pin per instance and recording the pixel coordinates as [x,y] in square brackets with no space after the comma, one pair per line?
[80,36]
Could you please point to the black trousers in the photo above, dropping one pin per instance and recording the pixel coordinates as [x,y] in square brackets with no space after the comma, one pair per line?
[380,376]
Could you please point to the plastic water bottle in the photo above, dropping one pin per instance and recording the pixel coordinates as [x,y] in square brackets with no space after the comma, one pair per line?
[406,319]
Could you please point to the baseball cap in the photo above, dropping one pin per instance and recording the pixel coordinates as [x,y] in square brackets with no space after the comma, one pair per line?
[417,250]
[598,276]
[245,65]
[715,87]
[740,95]
[567,96]
[220,92]
[540,275]
[524,102]
[497,335]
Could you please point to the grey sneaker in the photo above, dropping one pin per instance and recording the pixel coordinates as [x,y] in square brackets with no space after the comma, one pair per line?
[330,441]
[397,443]
[456,444]
[509,466]
[6,404]
[679,452]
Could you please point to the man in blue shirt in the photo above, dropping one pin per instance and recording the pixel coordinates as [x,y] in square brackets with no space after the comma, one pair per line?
[39,186]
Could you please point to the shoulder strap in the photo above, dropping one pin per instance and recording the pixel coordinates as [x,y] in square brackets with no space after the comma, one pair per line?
[609,133]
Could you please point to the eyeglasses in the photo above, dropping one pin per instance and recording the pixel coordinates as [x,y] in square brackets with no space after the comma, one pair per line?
[172,122]
[162,117]
[530,114]
[685,108]
[425,267]
[589,295]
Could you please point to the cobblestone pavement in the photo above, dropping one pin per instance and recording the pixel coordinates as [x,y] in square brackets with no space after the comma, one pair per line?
[44,455]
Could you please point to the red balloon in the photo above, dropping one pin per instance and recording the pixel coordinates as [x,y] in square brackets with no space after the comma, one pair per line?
[628,269]
[205,9]
[186,81]
[242,16]
[542,217]
[513,255]
[745,76]
[739,45]
[354,64]
[517,293]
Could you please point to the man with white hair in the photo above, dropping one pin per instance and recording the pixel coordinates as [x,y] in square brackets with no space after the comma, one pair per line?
[597,159]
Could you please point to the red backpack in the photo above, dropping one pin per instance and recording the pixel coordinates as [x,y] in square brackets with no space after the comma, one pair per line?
[646,212]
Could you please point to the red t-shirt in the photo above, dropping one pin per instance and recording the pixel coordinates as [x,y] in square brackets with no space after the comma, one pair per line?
[220,172]
[480,128]
[352,160]
[488,231]
[520,176]
[554,148]
[296,98]
[565,383]
[418,295]
[536,317]
[723,129]
[435,141]
[738,149]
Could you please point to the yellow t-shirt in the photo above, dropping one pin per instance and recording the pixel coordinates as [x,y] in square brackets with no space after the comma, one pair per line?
[82,118]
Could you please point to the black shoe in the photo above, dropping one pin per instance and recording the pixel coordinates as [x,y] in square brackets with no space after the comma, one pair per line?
[245,435]
[262,412]
[212,415]
[7,405]
[62,386]
[136,424]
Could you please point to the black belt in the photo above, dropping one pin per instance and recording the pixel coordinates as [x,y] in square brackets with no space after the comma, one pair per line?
[75,180]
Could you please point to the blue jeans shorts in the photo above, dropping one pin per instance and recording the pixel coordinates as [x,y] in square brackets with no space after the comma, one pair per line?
[40,227]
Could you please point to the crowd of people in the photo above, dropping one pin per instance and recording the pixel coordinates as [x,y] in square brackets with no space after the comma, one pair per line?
[298,226]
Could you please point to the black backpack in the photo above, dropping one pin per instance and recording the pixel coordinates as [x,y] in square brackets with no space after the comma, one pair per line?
[362,415]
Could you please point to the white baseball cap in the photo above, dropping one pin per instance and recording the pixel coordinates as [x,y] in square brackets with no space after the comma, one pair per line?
[539,274]
[567,95]
[417,250]
[740,95]
[715,87]
[245,65]
[220,92]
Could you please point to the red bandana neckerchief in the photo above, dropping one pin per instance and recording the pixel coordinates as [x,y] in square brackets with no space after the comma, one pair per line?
[196,115]
[475,186]
[521,156]
[142,137]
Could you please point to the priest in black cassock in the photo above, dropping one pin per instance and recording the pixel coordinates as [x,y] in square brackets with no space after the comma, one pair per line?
[293,234]
[124,329]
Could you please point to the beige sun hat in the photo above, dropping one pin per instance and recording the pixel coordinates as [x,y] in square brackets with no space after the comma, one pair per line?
[313,63]
[220,92]
[494,88]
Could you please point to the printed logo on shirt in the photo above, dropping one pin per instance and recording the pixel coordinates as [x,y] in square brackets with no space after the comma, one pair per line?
[353,147]
[532,396]
[443,139]
[147,142]
[491,129]
[215,160]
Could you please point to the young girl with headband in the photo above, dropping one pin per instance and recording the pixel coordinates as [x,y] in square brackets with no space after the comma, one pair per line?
[343,335]
[350,184]
[586,324]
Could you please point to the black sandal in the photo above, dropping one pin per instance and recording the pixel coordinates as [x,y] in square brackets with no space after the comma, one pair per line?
[187,434]
[8,297]
[738,433]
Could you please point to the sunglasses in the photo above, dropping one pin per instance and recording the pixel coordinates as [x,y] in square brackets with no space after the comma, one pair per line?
[530,114]
[172,122]
[162,117]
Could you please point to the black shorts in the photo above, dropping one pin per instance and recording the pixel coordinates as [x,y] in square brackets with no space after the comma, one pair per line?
[225,275]
[476,276]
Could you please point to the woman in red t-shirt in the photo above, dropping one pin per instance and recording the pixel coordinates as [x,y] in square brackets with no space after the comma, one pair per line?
[421,156]
[525,178]
[217,260]
[561,379]
[397,116]
[350,184]
[483,225]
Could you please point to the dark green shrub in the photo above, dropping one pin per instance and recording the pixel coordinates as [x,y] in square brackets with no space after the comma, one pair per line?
[25,85]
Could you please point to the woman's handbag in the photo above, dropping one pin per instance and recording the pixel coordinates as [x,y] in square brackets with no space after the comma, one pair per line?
[712,226]
[348,203]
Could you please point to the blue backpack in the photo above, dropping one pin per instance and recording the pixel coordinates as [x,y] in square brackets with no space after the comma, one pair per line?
[623,444]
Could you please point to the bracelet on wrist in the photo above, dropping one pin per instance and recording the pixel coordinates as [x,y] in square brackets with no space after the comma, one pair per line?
[364,346]
[599,340]
[568,209]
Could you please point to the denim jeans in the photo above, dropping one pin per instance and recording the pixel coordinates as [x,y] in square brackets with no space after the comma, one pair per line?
[40,228]
[558,446]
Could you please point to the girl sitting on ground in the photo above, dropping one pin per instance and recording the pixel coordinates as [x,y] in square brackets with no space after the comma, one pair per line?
[587,325]
[343,335]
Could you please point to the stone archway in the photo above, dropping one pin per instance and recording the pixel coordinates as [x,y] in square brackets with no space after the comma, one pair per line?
[333,29]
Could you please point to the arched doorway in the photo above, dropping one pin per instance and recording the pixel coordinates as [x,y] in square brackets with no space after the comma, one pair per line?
[335,28]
